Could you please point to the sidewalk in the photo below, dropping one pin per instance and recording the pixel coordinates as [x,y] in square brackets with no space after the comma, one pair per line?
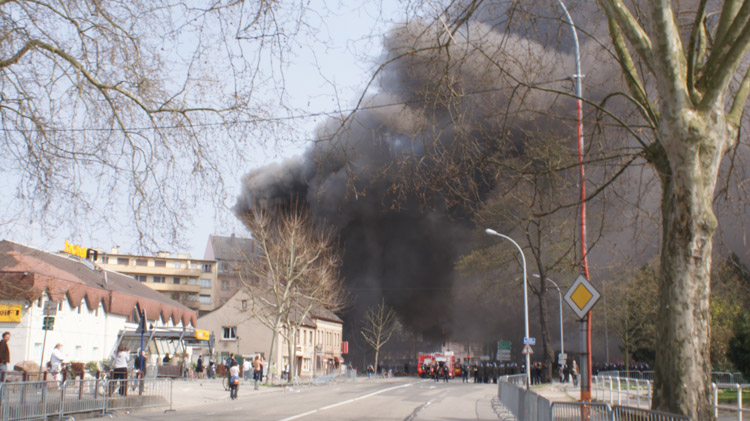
[558,392]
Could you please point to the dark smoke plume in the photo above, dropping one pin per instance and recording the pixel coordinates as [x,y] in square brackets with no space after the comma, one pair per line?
[366,174]
[396,245]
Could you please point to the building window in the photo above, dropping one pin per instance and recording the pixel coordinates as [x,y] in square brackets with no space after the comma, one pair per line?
[158,279]
[204,299]
[141,262]
[224,284]
[205,283]
[140,278]
[192,297]
[193,266]
[178,265]
[104,259]
[206,267]
[225,266]
[306,364]
[229,333]
[123,261]
[160,263]
[244,304]
[193,281]
[176,280]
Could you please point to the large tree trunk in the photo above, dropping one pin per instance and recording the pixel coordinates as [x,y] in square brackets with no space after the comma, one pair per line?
[693,147]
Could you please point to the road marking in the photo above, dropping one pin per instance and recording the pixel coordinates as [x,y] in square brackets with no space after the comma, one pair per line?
[348,401]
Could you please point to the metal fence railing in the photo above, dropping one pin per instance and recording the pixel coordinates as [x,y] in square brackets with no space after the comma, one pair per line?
[575,411]
[523,404]
[44,399]
[727,397]
[731,399]
[527,405]
[716,376]
[626,413]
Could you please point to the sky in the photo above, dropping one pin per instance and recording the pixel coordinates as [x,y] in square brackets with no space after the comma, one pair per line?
[322,77]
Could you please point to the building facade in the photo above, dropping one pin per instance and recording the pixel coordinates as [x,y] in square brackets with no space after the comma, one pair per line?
[187,280]
[231,255]
[317,344]
[92,306]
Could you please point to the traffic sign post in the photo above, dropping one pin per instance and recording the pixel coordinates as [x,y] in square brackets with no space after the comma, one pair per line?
[48,323]
[581,297]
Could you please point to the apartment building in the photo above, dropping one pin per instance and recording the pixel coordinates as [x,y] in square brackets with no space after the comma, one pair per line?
[181,277]
[231,254]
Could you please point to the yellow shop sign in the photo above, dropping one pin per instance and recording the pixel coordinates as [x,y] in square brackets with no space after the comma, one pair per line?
[10,313]
[79,251]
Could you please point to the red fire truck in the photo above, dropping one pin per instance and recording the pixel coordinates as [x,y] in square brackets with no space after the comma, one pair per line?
[426,363]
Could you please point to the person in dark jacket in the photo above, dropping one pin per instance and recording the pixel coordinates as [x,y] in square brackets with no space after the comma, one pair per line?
[4,352]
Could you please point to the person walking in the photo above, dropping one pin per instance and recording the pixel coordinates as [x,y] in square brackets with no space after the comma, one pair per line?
[4,355]
[56,361]
[199,367]
[248,368]
[120,372]
[140,364]
[234,380]
[465,373]
[257,371]
[574,372]
[211,374]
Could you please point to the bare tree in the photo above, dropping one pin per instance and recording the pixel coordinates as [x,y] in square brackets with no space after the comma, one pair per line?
[295,270]
[377,327]
[137,105]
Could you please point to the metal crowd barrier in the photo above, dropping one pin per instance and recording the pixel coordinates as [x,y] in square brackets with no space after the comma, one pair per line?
[575,411]
[523,404]
[625,413]
[44,399]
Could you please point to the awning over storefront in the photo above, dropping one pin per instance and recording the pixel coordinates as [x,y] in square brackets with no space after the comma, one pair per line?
[339,359]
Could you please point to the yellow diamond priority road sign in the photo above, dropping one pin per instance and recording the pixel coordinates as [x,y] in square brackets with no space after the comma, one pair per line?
[581,296]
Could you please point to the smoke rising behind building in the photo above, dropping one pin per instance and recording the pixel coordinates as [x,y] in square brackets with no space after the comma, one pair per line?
[398,242]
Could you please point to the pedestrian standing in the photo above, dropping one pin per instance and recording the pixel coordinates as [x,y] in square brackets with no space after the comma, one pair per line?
[234,380]
[56,361]
[465,373]
[4,355]
[199,367]
[257,371]
[120,374]
[211,367]
[248,368]
[574,372]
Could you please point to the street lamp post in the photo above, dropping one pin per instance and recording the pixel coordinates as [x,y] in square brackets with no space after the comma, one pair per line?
[559,296]
[586,322]
[525,301]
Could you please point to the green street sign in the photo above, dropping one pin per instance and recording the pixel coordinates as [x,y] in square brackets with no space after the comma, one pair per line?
[48,323]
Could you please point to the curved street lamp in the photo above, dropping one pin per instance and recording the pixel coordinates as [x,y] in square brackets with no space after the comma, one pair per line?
[559,296]
[525,301]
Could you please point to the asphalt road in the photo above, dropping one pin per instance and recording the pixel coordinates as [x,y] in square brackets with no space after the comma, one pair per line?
[360,399]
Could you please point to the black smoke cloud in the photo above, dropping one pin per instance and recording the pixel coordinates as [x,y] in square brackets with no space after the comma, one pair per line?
[401,245]
[396,246]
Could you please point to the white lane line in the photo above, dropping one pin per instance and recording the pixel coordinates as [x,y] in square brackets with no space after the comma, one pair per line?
[304,414]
